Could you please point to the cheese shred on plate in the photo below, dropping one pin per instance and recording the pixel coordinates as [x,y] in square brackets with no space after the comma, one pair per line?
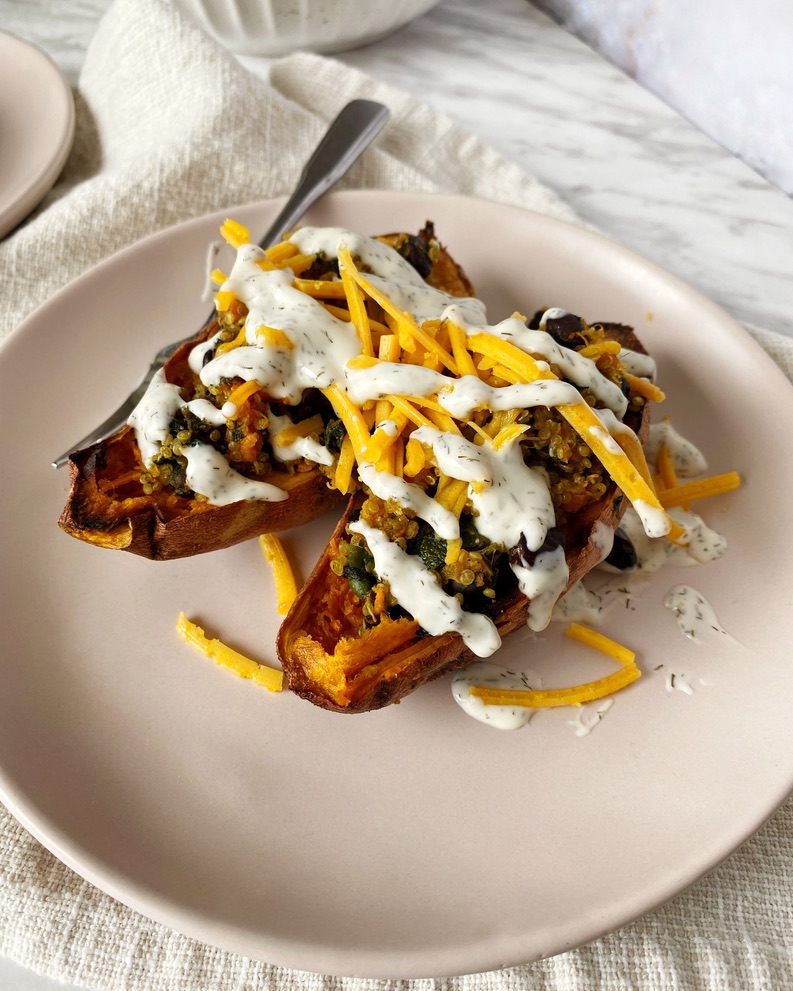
[227,657]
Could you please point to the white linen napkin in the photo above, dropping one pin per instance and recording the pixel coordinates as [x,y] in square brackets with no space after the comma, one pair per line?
[169,127]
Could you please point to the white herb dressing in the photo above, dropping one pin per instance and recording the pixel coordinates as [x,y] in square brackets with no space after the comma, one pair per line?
[605,438]
[514,499]
[207,411]
[582,371]
[462,396]
[507,717]
[423,302]
[321,343]
[417,589]
[695,616]
[209,473]
[580,605]
[588,716]
[152,417]
[699,544]
[637,363]
[602,538]
[391,377]
[542,584]
[687,458]
[300,447]
[613,425]
[511,501]
[387,486]
[458,396]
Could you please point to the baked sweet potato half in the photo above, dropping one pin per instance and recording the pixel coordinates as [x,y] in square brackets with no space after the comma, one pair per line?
[149,506]
[348,645]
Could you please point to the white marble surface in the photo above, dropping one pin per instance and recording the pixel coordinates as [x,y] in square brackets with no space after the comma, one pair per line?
[625,161]
[726,66]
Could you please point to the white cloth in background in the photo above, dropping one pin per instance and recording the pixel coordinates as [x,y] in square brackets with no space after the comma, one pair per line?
[169,127]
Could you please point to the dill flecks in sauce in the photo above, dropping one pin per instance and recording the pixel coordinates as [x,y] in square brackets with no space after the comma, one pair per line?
[695,615]
[677,681]
[588,716]
[507,717]
[701,543]
[516,495]
[417,589]
[687,458]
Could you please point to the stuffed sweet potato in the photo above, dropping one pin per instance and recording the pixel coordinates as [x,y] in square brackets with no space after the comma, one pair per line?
[236,437]
[392,603]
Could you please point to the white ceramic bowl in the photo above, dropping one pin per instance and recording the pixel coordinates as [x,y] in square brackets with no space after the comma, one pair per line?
[277,27]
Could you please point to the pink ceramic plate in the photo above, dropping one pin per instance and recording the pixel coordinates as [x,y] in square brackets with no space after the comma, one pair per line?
[36,127]
[412,841]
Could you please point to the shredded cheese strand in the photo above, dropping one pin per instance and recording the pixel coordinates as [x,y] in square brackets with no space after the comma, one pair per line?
[645,388]
[580,416]
[405,321]
[589,691]
[344,466]
[666,467]
[241,394]
[355,303]
[353,420]
[320,288]
[234,233]
[283,575]
[270,678]
[545,698]
[584,634]
[699,489]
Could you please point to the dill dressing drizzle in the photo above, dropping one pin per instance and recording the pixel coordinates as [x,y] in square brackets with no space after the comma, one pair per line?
[511,501]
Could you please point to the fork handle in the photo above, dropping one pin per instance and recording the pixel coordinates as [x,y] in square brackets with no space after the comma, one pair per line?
[345,140]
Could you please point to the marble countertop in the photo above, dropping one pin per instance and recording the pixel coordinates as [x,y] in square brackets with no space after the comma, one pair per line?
[625,161]
[725,66]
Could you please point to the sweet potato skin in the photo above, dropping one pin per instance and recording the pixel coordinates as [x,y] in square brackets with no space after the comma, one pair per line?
[391,666]
[175,527]
[164,526]
[413,657]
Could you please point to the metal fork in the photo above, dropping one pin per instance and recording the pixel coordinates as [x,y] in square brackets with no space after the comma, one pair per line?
[345,140]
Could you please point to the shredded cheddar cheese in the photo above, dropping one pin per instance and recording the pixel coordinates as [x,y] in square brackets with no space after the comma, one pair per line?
[235,233]
[577,694]
[699,488]
[355,301]
[242,393]
[645,388]
[577,631]
[580,416]
[281,252]
[352,418]
[275,338]
[545,698]
[283,575]
[343,477]
[665,465]
[261,674]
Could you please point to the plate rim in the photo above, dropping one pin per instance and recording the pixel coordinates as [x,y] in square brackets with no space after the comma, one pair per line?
[186,921]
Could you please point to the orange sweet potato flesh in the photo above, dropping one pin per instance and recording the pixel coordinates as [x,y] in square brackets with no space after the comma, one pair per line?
[328,662]
[107,506]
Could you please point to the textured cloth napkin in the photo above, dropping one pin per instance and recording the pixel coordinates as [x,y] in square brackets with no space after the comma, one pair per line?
[169,127]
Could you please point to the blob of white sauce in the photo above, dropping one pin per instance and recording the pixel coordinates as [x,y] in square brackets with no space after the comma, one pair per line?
[417,589]
[508,717]
[695,616]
